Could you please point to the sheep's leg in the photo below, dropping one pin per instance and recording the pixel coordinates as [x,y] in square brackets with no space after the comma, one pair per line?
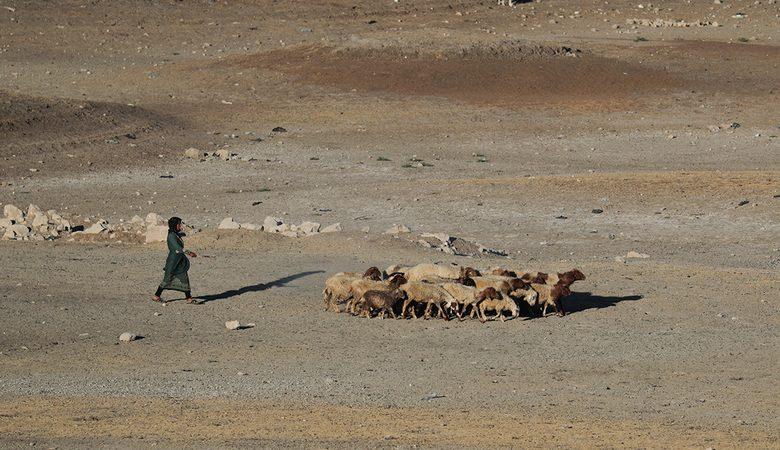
[428,309]
[481,314]
[326,299]
[559,308]
[544,310]
[391,312]
[404,306]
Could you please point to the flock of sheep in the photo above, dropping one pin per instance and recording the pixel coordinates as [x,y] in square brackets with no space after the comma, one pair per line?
[448,291]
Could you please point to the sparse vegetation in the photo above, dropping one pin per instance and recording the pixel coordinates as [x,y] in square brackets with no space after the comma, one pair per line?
[640,39]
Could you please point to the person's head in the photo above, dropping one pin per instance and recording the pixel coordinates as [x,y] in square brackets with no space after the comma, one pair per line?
[174,224]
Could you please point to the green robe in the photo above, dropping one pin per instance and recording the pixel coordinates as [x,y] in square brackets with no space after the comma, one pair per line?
[176,266]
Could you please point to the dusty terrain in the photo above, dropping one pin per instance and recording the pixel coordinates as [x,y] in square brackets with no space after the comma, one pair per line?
[503,125]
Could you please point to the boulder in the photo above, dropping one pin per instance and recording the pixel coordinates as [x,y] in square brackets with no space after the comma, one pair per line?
[127,337]
[288,233]
[97,227]
[13,213]
[193,153]
[16,231]
[633,254]
[335,228]
[236,325]
[223,154]
[251,226]
[309,228]
[156,233]
[63,225]
[33,211]
[398,229]
[5,223]
[154,219]
[228,224]
[137,220]
[40,220]
[272,224]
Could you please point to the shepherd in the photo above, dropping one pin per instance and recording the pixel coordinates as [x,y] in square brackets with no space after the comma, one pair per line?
[177,265]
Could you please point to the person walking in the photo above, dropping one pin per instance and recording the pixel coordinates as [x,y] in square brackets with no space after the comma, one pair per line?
[177,265]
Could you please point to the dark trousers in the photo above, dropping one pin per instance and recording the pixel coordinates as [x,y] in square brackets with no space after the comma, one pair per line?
[160,291]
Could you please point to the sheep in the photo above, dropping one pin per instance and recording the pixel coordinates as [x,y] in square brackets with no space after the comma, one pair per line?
[551,296]
[427,294]
[337,286]
[501,284]
[384,301]
[358,287]
[396,268]
[567,278]
[465,295]
[490,299]
[500,271]
[423,272]
[527,295]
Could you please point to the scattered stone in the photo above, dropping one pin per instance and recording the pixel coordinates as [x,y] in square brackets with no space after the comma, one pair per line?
[236,325]
[194,153]
[660,23]
[634,254]
[597,211]
[97,227]
[335,228]
[309,228]
[137,220]
[223,154]
[5,223]
[743,202]
[33,211]
[127,337]
[154,219]
[16,231]
[228,224]
[272,224]
[397,229]
[13,213]
[40,220]
[279,130]
[156,233]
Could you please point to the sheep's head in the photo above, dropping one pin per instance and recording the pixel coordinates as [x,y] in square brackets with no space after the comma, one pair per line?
[488,293]
[504,273]
[568,278]
[372,273]
[469,272]
[517,283]
[467,281]
[397,279]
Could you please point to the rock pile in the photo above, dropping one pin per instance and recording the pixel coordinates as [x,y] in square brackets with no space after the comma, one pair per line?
[660,23]
[223,154]
[277,225]
[32,225]
[456,246]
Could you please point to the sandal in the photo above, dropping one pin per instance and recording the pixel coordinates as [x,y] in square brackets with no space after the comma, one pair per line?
[157,299]
[192,301]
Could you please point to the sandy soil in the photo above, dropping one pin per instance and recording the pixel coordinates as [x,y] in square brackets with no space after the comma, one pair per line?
[527,118]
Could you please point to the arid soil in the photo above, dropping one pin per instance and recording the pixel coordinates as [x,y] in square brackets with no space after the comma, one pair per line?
[507,126]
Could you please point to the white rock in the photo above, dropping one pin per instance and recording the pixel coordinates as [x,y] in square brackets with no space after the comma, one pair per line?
[16,231]
[127,337]
[251,226]
[288,233]
[137,220]
[272,224]
[156,233]
[97,227]
[40,220]
[63,225]
[309,228]
[398,229]
[235,325]
[335,228]
[223,154]
[633,254]
[442,237]
[5,223]
[193,153]
[228,224]
[154,219]
[13,213]
[33,211]
[366,229]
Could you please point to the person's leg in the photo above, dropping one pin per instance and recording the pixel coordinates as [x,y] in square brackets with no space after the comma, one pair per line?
[188,295]
[157,295]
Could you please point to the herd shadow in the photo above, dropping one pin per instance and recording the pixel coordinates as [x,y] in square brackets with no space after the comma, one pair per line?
[582,301]
[255,287]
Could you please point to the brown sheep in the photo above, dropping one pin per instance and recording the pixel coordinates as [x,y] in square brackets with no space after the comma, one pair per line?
[565,278]
[503,272]
[501,284]
[359,287]
[383,301]
[551,296]
[490,299]
[465,295]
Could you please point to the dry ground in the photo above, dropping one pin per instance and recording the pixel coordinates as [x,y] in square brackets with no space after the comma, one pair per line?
[677,350]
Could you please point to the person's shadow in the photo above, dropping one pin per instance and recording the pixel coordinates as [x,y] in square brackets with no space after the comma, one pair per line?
[581,301]
[255,287]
